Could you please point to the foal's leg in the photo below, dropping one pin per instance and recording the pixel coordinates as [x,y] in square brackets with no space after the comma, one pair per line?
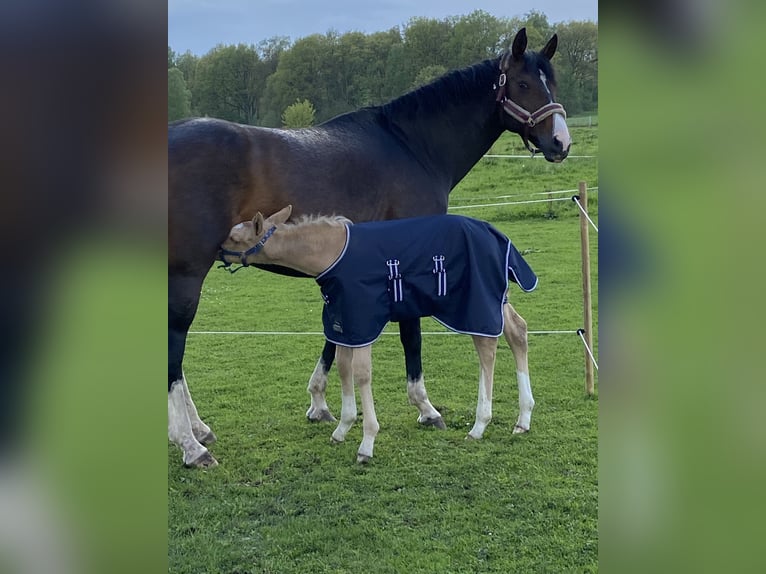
[409,335]
[515,331]
[486,347]
[318,411]
[362,369]
[345,357]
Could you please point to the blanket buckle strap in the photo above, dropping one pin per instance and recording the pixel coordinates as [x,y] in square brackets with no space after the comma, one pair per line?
[395,279]
[441,275]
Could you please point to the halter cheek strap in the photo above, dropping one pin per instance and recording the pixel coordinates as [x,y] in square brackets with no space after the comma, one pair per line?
[243,255]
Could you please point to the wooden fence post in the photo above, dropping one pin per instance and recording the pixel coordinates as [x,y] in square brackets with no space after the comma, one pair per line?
[586,289]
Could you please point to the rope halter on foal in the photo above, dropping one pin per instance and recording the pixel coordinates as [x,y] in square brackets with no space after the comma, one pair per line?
[243,255]
[529,120]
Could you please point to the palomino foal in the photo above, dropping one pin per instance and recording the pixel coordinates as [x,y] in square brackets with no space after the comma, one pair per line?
[469,281]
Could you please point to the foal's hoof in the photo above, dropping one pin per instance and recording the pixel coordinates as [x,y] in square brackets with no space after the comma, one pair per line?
[437,422]
[518,429]
[205,460]
[208,439]
[363,458]
[323,416]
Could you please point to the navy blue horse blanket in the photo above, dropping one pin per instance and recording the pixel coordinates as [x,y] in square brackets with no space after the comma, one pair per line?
[450,267]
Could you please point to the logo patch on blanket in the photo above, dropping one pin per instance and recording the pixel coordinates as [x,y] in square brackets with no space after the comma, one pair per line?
[450,267]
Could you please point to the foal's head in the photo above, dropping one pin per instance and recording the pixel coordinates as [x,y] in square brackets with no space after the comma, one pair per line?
[246,239]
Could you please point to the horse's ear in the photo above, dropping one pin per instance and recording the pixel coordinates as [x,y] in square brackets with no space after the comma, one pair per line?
[258,223]
[281,216]
[505,61]
[519,44]
[550,47]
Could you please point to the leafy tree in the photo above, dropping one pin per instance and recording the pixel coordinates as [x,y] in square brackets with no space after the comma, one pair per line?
[179,97]
[299,115]
[428,74]
[171,58]
[577,68]
[228,83]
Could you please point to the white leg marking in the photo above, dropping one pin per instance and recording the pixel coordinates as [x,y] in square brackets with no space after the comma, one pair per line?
[416,392]
[318,411]
[486,348]
[362,367]
[180,428]
[515,332]
[344,358]
[201,431]
[526,403]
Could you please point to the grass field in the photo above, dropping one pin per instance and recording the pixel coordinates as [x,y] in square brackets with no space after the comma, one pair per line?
[285,500]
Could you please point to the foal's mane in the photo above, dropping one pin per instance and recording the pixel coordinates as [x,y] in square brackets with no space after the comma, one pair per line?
[306,220]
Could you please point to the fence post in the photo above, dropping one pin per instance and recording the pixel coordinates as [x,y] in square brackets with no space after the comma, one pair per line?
[586,289]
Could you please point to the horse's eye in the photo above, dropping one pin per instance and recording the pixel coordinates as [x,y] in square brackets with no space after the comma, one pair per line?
[523,85]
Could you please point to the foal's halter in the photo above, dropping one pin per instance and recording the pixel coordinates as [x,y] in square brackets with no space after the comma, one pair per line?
[529,120]
[243,255]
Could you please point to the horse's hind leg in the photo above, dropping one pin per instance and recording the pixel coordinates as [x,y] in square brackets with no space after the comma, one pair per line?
[319,411]
[185,428]
[409,335]
[515,331]
[486,347]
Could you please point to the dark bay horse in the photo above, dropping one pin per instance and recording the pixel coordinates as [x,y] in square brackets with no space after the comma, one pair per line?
[397,160]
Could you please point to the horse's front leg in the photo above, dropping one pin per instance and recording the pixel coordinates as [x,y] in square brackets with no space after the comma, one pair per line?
[515,331]
[486,347]
[362,369]
[185,428]
[319,411]
[409,335]
[345,357]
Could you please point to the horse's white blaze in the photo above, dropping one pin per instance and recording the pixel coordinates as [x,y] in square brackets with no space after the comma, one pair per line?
[416,392]
[179,425]
[544,80]
[560,129]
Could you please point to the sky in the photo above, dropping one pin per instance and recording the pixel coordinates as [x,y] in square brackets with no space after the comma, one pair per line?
[198,25]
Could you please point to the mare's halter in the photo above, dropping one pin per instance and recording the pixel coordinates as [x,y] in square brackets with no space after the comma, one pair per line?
[529,120]
[243,255]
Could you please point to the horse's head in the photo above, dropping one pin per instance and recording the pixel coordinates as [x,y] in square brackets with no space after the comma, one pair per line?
[526,89]
[246,240]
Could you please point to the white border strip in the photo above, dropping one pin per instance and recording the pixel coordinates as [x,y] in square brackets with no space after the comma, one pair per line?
[312,333]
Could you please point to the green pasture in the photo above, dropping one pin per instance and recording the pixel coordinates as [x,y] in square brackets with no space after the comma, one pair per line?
[285,500]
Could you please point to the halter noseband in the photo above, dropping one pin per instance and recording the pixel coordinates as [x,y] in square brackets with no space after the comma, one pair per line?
[527,119]
[243,255]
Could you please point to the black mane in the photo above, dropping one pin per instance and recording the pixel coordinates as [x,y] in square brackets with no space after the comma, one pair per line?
[451,88]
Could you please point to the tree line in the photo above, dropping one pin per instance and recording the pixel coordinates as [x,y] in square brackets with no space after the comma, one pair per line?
[278,82]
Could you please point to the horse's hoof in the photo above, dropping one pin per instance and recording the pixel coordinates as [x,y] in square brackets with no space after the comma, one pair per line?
[334,440]
[518,429]
[208,439]
[363,458]
[205,460]
[437,422]
[323,416]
